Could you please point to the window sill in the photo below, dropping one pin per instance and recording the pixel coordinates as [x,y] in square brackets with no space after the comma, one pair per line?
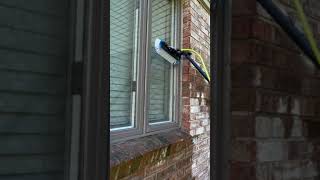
[138,153]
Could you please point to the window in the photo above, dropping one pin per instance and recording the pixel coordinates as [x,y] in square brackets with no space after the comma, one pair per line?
[143,86]
[160,70]
[124,25]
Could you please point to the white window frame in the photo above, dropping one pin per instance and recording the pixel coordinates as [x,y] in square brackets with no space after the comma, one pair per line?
[141,125]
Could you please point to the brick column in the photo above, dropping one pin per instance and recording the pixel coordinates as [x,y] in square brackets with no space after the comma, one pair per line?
[275,98]
[195,91]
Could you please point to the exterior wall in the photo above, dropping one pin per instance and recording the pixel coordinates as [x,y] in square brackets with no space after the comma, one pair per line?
[165,155]
[33,70]
[181,154]
[195,90]
[275,98]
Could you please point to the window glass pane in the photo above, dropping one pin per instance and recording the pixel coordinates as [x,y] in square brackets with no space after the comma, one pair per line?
[123,59]
[160,74]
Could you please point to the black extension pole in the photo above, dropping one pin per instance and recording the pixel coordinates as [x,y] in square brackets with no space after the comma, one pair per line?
[197,66]
[287,25]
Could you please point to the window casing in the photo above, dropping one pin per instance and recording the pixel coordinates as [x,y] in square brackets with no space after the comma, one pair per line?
[154,98]
[123,57]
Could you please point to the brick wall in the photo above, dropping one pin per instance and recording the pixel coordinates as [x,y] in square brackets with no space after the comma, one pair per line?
[195,91]
[176,155]
[162,156]
[275,98]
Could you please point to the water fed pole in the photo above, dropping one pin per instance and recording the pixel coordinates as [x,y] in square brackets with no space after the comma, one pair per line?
[290,28]
[173,56]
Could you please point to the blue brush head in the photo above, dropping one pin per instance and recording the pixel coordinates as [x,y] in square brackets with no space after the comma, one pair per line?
[168,53]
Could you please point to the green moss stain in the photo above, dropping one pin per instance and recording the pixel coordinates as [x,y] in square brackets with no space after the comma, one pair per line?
[149,159]
[114,172]
[136,164]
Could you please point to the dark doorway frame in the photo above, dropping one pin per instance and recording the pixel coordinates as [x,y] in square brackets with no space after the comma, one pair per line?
[220,133]
[95,89]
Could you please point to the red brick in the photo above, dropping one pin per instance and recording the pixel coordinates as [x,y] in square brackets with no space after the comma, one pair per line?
[241,27]
[272,102]
[298,150]
[242,171]
[243,151]
[309,106]
[261,53]
[243,76]
[312,128]
[243,126]
[186,101]
[186,78]
[243,99]
[271,79]
[240,52]
[241,7]
[258,29]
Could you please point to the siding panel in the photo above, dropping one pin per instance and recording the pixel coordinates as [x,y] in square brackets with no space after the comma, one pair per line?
[30,42]
[33,64]
[23,20]
[11,59]
[31,164]
[31,124]
[37,144]
[30,82]
[46,7]
[37,176]
[22,103]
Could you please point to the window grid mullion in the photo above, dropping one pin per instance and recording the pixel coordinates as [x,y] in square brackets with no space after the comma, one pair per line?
[147,41]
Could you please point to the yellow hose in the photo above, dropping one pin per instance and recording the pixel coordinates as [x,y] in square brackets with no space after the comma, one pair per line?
[307,30]
[200,57]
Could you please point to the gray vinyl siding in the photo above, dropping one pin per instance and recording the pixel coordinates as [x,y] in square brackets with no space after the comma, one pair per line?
[33,63]
[159,80]
[122,23]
